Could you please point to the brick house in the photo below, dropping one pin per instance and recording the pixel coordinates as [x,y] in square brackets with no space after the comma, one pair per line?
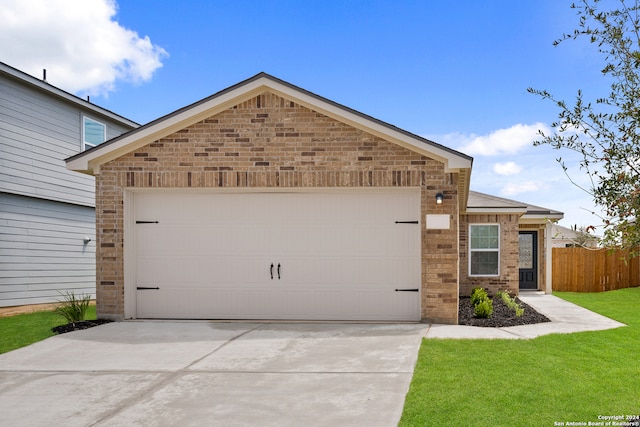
[266,201]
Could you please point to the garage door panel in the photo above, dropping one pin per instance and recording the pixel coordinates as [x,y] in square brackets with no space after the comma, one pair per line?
[341,255]
[148,239]
[241,272]
[158,271]
[150,303]
[382,274]
[189,303]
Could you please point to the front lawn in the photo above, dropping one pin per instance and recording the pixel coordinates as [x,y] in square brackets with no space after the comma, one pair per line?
[24,329]
[572,378]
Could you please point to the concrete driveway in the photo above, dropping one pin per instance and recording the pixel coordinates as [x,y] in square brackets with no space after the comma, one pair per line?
[203,373]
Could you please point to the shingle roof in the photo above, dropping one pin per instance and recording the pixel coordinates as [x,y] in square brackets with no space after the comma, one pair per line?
[61,94]
[481,202]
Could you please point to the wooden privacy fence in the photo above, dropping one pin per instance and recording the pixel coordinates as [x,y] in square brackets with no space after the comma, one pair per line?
[588,270]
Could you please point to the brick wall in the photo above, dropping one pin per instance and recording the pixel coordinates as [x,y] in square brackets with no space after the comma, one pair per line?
[271,142]
[508,279]
[440,255]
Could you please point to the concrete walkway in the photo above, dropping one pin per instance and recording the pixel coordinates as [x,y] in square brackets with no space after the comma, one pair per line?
[565,318]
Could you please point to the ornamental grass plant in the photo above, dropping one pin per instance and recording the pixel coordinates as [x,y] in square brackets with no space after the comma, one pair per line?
[73,308]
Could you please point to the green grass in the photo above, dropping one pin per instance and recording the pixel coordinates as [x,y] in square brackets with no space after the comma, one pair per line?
[556,378]
[24,329]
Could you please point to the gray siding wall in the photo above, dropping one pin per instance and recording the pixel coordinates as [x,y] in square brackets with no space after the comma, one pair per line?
[42,250]
[45,210]
[37,132]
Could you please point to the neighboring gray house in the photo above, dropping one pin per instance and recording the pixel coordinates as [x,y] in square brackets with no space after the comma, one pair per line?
[47,219]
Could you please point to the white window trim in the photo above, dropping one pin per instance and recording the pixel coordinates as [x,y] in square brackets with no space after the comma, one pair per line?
[84,144]
[483,250]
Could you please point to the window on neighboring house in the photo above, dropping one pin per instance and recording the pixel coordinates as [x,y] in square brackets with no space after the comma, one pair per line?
[484,249]
[93,133]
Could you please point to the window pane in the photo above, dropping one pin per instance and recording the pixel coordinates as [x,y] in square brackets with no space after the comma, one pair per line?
[484,263]
[93,132]
[484,237]
[526,251]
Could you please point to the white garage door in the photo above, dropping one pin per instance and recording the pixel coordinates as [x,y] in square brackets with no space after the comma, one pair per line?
[320,255]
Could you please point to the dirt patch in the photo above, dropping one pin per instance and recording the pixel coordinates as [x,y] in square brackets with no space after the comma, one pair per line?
[26,309]
[502,316]
[30,308]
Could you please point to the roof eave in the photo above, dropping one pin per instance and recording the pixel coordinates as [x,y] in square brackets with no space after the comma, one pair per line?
[541,217]
[496,210]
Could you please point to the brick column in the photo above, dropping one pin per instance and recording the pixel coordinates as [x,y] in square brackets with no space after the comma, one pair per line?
[440,252]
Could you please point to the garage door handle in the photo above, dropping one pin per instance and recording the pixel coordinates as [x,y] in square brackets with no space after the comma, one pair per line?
[407,290]
[278,271]
[271,271]
[143,288]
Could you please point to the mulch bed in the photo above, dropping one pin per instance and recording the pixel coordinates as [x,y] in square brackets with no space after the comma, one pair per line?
[502,315]
[77,326]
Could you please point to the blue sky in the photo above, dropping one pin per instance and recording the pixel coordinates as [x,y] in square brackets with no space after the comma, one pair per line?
[454,72]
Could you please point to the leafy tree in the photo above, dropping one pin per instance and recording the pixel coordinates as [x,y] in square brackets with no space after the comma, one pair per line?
[582,238]
[606,133]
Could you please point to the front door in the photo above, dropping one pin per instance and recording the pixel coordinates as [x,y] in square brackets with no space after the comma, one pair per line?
[528,260]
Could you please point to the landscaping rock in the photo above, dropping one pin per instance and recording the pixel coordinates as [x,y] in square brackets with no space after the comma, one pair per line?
[502,316]
[76,326]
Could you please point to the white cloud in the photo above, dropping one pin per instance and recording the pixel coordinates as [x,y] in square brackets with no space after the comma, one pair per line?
[507,168]
[502,141]
[79,43]
[512,189]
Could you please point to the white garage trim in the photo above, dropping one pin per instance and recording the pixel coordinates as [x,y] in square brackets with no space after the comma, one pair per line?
[341,254]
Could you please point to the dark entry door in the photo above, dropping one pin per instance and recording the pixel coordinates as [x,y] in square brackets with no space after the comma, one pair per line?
[528,260]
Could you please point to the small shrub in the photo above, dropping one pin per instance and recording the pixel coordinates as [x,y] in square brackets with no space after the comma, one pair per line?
[484,309]
[511,303]
[482,304]
[478,295]
[73,308]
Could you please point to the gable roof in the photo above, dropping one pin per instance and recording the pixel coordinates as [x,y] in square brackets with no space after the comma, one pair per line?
[90,161]
[486,203]
[83,104]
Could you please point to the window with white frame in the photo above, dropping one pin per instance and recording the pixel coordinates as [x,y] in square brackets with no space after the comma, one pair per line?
[93,133]
[484,249]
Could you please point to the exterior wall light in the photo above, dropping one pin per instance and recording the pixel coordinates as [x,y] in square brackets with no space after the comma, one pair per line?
[439,198]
